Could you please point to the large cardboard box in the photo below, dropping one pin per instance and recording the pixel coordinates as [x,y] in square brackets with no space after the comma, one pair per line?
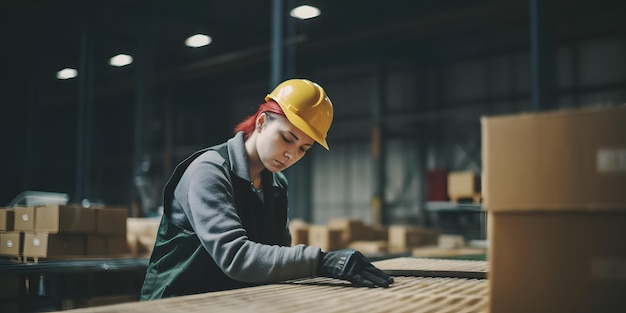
[7,219]
[65,219]
[24,218]
[53,245]
[570,159]
[557,261]
[11,243]
[111,221]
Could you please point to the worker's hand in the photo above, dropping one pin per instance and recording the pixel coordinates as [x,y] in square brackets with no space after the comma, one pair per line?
[353,266]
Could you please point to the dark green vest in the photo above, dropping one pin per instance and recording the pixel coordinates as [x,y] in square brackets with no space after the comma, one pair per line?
[179,264]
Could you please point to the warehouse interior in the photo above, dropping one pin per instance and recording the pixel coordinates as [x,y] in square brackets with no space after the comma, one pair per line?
[418,89]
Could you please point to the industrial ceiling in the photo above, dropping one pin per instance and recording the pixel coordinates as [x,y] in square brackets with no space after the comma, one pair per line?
[41,37]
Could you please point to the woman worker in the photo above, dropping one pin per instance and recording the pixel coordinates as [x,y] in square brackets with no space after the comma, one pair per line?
[225,221]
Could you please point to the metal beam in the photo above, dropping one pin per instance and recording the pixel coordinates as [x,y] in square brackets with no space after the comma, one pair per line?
[84,117]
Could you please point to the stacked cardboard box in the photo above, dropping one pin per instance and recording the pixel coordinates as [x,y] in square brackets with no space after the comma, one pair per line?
[404,238]
[63,231]
[299,231]
[142,233]
[554,184]
[340,233]
[464,185]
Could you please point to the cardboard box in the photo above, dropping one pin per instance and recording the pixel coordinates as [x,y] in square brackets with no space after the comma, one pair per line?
[7,219]
[65,219]
[448,241]
[106,245]
[116,245]
[352,229]
[557,261]
[11,243]
[570,159]
[24,218]
[463,185]
[369,247]
[325,237]
[142,226]
[141,234]
[53,245]
[403,238]
[111,221]
[95,245]
[377,232]
[299,231]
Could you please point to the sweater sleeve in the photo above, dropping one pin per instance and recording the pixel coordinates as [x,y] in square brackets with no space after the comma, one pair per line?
[206,195]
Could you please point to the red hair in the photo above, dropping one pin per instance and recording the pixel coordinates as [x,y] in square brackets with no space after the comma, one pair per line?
[248,124]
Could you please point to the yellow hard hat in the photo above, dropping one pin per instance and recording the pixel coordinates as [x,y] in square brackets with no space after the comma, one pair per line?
[306,106]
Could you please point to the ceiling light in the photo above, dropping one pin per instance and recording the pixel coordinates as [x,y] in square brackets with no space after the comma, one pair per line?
[121,60]
[67,73]
[198,40]
[304,12]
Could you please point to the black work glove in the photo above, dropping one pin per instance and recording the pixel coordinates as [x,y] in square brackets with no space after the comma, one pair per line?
[353,266]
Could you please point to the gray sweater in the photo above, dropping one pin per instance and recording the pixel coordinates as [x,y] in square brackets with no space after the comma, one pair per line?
[205,203]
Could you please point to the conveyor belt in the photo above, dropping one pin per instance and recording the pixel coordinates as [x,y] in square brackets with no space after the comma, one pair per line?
[406,294]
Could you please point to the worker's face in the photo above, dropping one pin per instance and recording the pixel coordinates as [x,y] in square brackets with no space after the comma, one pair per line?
[279,143]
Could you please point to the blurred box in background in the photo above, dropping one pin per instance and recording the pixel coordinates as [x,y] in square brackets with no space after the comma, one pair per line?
[299,230]
[464,185]
[53,245]
[11,244]
[403,238]
[65,219]
[141,234]
[351,229]
[326,237]
[7,219]
[24,218]
[111,221]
